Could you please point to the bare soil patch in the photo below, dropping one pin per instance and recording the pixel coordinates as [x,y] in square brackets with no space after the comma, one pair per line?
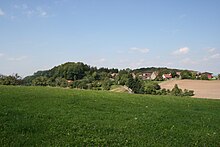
[202,89]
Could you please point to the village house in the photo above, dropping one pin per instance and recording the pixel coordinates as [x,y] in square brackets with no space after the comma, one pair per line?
[178,75]
[167,76]
[149,75]
[69,81]
[154,75]
[209,75]
[133,75]
[198,75]
[113,75]
[146,76]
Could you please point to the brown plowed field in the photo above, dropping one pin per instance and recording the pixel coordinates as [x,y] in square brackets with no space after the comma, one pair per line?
[202,88]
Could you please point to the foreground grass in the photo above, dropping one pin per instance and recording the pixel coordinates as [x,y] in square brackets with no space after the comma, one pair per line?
[43,116]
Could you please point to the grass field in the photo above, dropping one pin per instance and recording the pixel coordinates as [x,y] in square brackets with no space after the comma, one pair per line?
[44,116]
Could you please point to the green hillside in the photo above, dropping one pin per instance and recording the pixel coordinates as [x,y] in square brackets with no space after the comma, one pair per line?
[44,116]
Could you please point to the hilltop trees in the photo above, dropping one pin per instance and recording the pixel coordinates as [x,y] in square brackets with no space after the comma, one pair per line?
[69,70]
[73,75]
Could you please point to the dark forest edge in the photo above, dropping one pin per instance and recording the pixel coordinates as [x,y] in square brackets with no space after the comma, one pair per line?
[82,76]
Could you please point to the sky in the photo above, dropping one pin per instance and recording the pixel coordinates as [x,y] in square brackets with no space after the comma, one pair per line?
[38,35]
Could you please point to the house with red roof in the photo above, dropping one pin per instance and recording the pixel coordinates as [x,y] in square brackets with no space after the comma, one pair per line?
[209,75]
[167,76]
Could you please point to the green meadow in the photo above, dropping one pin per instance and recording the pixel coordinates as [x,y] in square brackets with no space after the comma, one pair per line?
[45,116]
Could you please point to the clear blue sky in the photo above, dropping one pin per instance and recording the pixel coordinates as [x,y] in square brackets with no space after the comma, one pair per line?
[38,34]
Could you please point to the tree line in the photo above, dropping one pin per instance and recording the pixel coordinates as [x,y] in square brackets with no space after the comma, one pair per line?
[83,76]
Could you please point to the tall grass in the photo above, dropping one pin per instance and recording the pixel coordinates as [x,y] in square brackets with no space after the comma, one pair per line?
[44,116]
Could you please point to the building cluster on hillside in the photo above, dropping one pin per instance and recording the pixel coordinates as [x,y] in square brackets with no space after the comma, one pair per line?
[168,76]
[154,75]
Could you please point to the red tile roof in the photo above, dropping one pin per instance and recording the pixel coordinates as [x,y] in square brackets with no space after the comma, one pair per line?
[167,76]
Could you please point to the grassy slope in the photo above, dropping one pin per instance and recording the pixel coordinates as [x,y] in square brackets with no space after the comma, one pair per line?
[118,88]
[53,116]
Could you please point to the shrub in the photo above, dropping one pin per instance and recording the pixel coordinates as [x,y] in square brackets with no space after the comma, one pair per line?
[159,92]
[188,92]
[164,91]
[176,91]
[150,89]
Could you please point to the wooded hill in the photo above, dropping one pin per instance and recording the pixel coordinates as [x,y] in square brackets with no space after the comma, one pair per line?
[83,76]
[72,71]
[76,71]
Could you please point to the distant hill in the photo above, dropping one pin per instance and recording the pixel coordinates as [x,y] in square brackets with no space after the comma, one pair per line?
[69,71]
[77,70]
